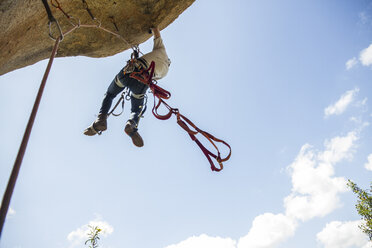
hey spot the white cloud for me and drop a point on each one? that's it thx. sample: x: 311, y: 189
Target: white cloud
x: 338, y: 234
x: 268, y: 230
x: 340, y: 106
x: 368, y: 165
x: 338, y: 148
x: 365, y: 56
x: 351, y: 63
x: 78, y: 237
x: 204, y: 241
x: 314, y: 188
x: 315, y: 193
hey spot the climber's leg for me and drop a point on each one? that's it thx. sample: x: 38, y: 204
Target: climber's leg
x: 138, y: 90
x: 100, y: 124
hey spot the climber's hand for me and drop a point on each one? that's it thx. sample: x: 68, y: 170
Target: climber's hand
x: 156, y: 32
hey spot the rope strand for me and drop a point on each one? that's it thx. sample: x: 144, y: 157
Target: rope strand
x: 145, y: 76
x: 99, y: 26
x: 88, y: 10
x: 22, y: 149
x: 52, y: 20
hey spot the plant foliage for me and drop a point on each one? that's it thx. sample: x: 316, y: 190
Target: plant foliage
x: 364, y: 207
x: 93, y: 236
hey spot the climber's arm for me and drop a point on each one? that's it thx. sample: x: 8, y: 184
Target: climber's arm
x: 156, y: 32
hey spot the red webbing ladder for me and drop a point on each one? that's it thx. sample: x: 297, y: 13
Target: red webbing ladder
x: 145, y: 76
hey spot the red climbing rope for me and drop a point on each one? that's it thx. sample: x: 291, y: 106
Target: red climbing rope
x: 57, y: 5
x: 22, y: 149
x: 145, y: 76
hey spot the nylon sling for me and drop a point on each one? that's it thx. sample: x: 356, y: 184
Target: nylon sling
x: 145, y: 76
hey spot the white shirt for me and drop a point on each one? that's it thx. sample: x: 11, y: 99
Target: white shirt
x: 160, y: 57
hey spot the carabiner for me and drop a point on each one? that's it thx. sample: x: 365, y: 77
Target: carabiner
x: 59, y: 30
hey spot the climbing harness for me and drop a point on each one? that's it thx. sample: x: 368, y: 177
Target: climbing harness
x: 145, y: 76
x: 124, y: 96
x: 133, y: 64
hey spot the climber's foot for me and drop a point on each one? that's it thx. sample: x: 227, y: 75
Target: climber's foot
x: 98, y: 126
x: 131, y: 130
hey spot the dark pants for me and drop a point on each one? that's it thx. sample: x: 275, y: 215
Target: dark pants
x: 137, y: 88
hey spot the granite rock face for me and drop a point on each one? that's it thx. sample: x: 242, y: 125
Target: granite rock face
x: 25, y: 40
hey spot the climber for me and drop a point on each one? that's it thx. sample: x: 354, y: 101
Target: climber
x: 137, y: 88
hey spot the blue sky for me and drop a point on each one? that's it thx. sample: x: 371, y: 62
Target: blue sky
x: 286, y: 83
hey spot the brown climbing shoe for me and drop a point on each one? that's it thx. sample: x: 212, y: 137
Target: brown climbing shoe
x: 98, y: 126
x: 131, y: 130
